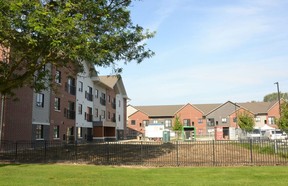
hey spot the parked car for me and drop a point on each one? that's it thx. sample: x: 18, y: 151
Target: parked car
x: 275, y: 135
x: 254, y: 135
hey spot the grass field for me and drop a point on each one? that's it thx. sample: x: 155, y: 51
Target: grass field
x: 56, y: 174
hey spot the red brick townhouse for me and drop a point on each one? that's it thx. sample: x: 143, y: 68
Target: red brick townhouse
x: 141, y: 116
x: 204, y: 117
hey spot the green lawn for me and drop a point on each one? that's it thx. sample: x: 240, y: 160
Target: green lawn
x: 55, y: 174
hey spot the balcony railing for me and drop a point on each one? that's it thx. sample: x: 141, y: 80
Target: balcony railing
x: 113, y: 119
x: 88, y: 117
x: 71, y: 89
x: 102, y: 101
x: 88, y: 96
x: 70, y: 114
x: 113, y: 105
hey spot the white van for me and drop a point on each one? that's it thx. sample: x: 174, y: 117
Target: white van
x: 275, y: 135
x: 255, y: 134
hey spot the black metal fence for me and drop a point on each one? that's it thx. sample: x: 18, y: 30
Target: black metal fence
x: 199, y: 153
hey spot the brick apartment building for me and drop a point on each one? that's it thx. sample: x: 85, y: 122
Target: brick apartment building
x: 203, y: 117
x: 51, y: 114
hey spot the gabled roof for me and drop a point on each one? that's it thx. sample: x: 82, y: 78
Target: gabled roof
x: 159, y: 110
x: 187, y: 105
x: 114, y: 82
x: 110, y: 81
x: 221, y: 105
x: 207, y: 108
x: 171, y: 110
x: 257, y: 107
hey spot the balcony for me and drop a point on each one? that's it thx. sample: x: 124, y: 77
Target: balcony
x: 113, y: 105
x: 70, y: 114
x: 102, y: 101
x: 113, y: 119
x: 71, y: 89
x: 88, y: 117
x: 88, y: 96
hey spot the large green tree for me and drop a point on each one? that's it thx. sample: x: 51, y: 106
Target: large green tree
x: 274, y: 96
x: 282, y: 122
x: 64, y: 33
x: 245, y: 120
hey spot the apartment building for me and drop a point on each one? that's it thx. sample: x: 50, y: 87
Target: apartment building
x: 203, y: 117
x: 75, y: 110
x: 110, y: 107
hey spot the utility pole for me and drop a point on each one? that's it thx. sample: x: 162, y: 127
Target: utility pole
x: 278, y: 97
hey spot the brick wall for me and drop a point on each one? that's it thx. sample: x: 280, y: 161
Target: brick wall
x: 195, y: 116
x: 18, y: 116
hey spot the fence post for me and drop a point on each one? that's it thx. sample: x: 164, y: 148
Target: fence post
x: 107, y: 151
x: 251, y: 151
x: 213, y: 153
x: 76, y: 151
x: 16, y: 153
x: 275, y: 146
x: 141, y: 155
x: 45, y: 149
x: 177, y: 149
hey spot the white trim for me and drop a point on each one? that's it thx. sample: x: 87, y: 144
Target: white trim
x: 39, y: 123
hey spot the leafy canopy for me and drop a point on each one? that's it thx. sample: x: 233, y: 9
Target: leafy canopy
x: 245, y: 121
x: 63, y: 33
x: 274, y: 96
x: 177, y: 124
x: 282, y: 122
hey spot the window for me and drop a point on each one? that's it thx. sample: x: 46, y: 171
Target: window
x: 103, y: 113
x: 57, y: 104
x: 96, y: 93
x: 200, y: 121
x: 224, y: 120
x: 119, y: 103
x: 168, y: 123
x: 39, y: 131
x: 103, y: 99
x: 88, y: 94
x: 96, y: 112
x: 109, y: 115
x: 80, y: 132
x: 70, y: 111
x: 79, y: 108
x: 39, y: 100
x: 58, y: 76
x: 133, y: 122
x: 271, y: 120
x: 88, y: 114
x: 258, y: 119
x: 80, y: 86
x: 186, y: 122
x: 114, y: 117
x: 210, y: 122
x: 146, y: 122
x: 119, y: 117
x: 56, y: 131
x: 70, y: 86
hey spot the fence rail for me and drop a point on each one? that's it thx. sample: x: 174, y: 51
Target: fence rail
x: 199, y: 153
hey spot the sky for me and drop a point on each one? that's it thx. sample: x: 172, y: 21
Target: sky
x: 209, y: 51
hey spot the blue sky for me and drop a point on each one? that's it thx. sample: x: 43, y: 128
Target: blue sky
x: 209, y: 51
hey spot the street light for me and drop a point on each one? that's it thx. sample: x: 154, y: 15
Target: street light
x: 278, y: 97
